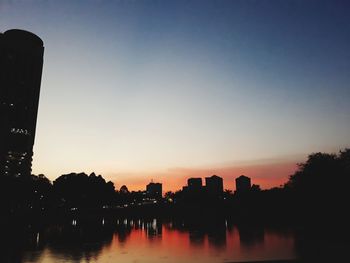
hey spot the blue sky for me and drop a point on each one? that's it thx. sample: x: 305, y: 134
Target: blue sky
x: 133, y: 89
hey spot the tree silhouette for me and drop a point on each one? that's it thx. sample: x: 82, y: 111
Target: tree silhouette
x: 316, y: 173
x: 169, y: 196
x: 24, y: 193
x: 83, y: 191
x: 321, y: 186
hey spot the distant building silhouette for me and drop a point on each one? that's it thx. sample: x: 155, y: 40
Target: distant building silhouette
x: 243, y: 184
x: 214, y: 185
x: 21, y: 61
x: 194, y: 184
x: 154, y: 190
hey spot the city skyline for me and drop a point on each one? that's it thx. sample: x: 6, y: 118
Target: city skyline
x: 166, y: 91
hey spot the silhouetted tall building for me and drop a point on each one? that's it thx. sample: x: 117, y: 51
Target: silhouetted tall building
x: 243, y: 184
x: 154, y: 190
x: 194, y: 184
x: 21, y: 62
x: 214, y: 185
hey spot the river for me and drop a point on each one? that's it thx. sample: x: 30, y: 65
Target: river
x: 148, y: 240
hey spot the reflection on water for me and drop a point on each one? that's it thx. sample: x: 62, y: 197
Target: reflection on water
x: 139, y: 240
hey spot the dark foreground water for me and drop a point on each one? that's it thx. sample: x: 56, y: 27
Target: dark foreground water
x: 138, y: 240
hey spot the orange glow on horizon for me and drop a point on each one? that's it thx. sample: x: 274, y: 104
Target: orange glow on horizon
x: 266, y: 175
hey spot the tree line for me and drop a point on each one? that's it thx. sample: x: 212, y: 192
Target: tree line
x: 318, y: 191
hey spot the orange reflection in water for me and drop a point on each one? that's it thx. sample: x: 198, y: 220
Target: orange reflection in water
x: 174, y: 245
x: 152, y: 241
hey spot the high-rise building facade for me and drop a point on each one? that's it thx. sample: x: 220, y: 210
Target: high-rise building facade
x: 21, y: 62
x: 214, y: 185
x: 243, y: 184
x: 194, y: 184
x: 154, y: 190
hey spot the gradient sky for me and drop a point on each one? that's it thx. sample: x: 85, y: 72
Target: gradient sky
x: 166, y: 90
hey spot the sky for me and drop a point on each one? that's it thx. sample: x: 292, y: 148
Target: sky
x: 167, y: 90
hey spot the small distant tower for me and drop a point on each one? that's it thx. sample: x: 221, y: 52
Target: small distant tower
x: 214, y: 185
x: 243, y: 184
x: 194, y: 184
x: 154, y: 190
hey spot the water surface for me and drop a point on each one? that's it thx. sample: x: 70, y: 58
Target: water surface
x: 152, y: 240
